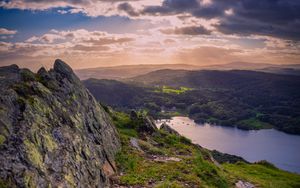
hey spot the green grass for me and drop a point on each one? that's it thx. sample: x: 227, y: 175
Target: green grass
x: 195, y: 168
x: 168, y: 184
x: 171, y: 90
x: 253, y: 123
x: 139, y: 169
x: 263, y: 175
x: 124, y: 124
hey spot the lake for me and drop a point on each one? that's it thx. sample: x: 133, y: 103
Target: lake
x: 279, y: 148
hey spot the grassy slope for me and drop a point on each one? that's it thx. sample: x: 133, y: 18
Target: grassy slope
x: 195, y: 168
x: 263, y: 175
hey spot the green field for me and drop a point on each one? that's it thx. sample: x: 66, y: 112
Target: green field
x: 171, y: 90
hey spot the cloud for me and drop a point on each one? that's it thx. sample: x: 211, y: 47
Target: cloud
x: 278, y: 18
x: 56, y: 43
x: 62, y: 11
x: 126, y: 7
x: 169, y: 41
x: 80, y: 36
x: 4, y: 31
x: 189, y: 30
x: 47, y: 38
x: 80, y: 47
x: 171, y: 7
x: 208, y: 55
x: 109, y: 40
x: 89, y: 7
x: 182, y: 31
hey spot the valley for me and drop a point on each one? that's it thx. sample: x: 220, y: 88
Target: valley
x: 244, y: 99
x: 55, y: 133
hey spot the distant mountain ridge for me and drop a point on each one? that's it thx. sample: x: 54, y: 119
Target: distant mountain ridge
x: 201, y: 78
x: 128, y: 71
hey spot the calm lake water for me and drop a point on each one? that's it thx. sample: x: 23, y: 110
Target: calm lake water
x: 281, y: 149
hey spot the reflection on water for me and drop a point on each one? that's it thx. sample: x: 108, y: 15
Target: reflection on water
x: 281, y: 149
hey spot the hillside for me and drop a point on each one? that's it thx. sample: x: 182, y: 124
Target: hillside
x: 212, y: 78
x: 251, y: 66
x: 160, y: 158
x: 245, y: 99
x: 127, y: 71
x: 53, y: 133
x: 114, y: 92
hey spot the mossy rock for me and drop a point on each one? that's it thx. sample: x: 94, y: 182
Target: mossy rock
x: 49, y: 143
x: 70, y: 179
x: 34, y: 155
x: 29, y: 179
x: 2, y: 139
x: 27, y: 75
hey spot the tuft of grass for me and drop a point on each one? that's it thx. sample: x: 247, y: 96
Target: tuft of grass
x: 124, y: 124
x: 150, y: 149
x: 168, y: 184
x: 209, y: 172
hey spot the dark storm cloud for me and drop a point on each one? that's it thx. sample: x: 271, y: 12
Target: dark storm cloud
x: 170, y: 7
x: 128, y: 9
x: 191, y: 30
x: 277, y: 18
x: 181, y: 5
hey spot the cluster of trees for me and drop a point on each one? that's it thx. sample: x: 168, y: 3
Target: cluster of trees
x: 245, y: 99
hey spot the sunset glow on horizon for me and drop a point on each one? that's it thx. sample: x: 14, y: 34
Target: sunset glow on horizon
x: 97, y: 33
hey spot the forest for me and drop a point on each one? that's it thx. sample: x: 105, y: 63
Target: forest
x: 245, y: 99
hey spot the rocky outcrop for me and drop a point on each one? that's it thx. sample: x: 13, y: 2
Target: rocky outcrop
x: 226, y: 158
x: 244, y: 184
x: 53, y: 133
x: 165, y: 127
x: 145, y: 124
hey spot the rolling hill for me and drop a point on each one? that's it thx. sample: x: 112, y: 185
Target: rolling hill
x: 128, y: 71
x: 245, y: 99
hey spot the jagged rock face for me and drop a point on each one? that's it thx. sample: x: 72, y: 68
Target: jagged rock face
x: 53, y: 133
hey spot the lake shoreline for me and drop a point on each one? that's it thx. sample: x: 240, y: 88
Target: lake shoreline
x: 234, y: 131
x: 237, y: 127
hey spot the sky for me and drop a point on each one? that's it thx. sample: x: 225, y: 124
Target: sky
x: 95, y: 33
